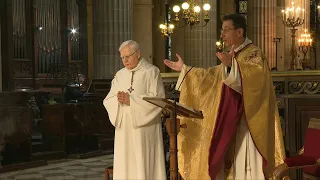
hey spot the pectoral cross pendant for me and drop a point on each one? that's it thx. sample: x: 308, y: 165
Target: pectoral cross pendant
x: 131, y: 89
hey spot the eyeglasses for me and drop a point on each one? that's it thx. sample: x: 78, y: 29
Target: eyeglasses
x: 127, y: 57
x: 226, y: 30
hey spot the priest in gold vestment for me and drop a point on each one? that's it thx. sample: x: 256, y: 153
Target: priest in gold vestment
x: 240, y: 136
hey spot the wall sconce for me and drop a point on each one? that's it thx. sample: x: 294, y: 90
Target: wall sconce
x: 166, y: 29
x: 220, y: 46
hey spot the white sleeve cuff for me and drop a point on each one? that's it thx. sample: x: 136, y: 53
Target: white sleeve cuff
x: 181, y: 75
x: 233, y: 80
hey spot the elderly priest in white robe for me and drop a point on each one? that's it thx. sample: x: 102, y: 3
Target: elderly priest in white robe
x: 138, y: 147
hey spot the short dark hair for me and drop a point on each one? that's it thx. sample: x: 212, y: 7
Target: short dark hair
x: 238, y: 21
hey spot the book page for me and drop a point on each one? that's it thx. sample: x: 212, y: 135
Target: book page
x: 186, y: 107
x: 156, y: 101
x: 169, y: 103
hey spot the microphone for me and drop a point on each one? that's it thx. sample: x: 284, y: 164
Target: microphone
x: 183, y: 79
x: 228, y: 69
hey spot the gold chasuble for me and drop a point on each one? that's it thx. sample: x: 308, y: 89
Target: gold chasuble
x: 207, y: 144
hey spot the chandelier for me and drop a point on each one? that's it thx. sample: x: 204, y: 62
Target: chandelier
x: 190, y: 14
x: 304, y: 45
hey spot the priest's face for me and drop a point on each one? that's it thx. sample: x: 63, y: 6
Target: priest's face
x: 129, y: 57
x: 229, y: 34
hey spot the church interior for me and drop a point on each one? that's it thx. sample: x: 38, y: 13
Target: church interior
x: 58, y: 58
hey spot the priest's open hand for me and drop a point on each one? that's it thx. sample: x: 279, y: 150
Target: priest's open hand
x: 176, y: 66
x: 123, y: 97
x: 226, y: 58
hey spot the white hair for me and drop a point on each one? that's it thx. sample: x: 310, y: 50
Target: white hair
x: 134, y: 46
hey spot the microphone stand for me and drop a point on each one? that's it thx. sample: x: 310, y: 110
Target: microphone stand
x: 276, y: 41
x: 175, y: 131
x: 175, y: 125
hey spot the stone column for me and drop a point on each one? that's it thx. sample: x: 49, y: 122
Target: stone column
x: 0, y: 69
x: 142, y: 27
x: 317, y: 42
x: 262, y: 27
x: 200, y: 42
x: 280, y: 34
x: 112, y: 24
x: 227, y: 7
x: 89, y: 26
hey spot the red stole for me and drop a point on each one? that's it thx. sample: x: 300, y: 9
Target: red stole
x: 229, y: 113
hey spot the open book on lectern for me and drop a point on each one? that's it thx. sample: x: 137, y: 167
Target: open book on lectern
x: 181, y: 109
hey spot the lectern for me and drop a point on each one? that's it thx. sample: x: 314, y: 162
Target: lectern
x: 173, y: 126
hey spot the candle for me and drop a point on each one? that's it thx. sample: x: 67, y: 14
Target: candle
x: 303, y: 14
x: 292, y: 10
x: 298, y: 12
x: 305, y: 39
